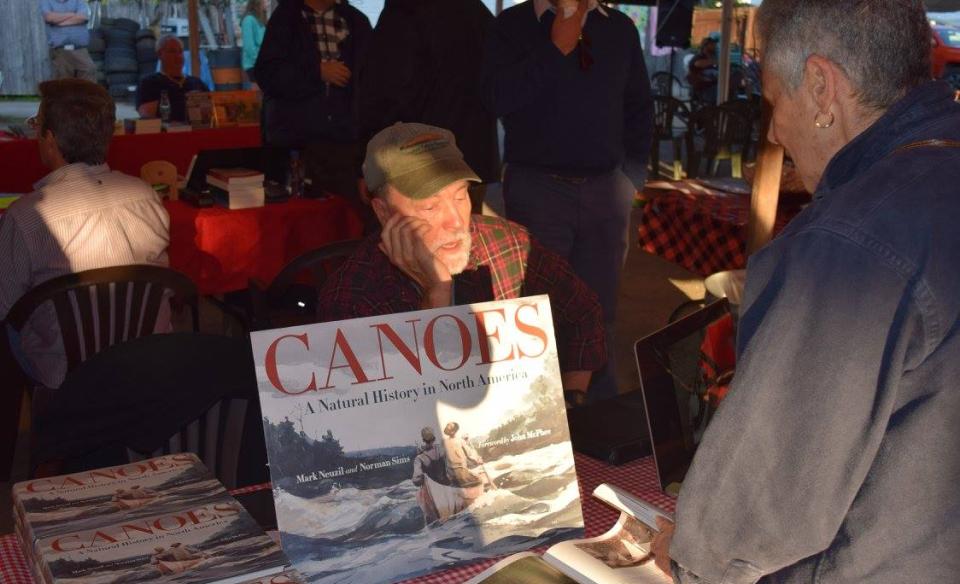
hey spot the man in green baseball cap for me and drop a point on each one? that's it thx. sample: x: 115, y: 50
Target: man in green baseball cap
x: 431, y: 252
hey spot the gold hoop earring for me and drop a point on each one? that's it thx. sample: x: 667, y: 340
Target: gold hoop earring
x: 823, y: 125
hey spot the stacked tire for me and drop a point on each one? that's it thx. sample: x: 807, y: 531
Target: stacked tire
x: 120, y: 57
x: 96, y: 47
x: 146, y: 53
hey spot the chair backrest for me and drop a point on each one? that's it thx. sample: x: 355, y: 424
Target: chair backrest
x: 160, y: 394
x: 289, y: 296
x: 665, y: 111
x: 723, y: 128
x: 665, y: 84
x: 161, y: 172
x: 106, y: 306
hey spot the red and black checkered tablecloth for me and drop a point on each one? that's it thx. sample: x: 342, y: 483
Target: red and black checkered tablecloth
x: 702, y: 229
x: 638, y: 477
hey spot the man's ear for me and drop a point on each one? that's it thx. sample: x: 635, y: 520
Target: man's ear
x: 380, y: 209
x: 821, y: 80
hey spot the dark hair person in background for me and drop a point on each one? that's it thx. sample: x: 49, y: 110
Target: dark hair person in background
x: 80, y: 217
x: 422, y: 65
x: 306, y: 69
x: 834, y: 456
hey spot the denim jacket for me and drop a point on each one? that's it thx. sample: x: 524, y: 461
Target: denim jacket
x: 834, y: 458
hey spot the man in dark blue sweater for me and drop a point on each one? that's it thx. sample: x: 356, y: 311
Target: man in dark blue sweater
x: 572, y: 89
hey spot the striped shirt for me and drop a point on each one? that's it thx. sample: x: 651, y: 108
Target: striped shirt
x: 79, y: 217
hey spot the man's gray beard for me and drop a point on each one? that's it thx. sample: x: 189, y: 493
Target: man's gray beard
x: 456, y: 264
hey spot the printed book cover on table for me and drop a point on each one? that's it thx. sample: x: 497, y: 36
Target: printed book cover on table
x: 89, y: 499
x: 217, y: 542
x: 407, y: 443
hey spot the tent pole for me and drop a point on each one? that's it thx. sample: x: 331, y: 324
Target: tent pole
x: 193, y: 17
x: 726, y: 31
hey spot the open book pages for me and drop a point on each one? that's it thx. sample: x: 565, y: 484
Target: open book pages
x: 285, y: 577
x: 619, y: 556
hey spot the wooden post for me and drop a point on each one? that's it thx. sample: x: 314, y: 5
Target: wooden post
x: 726, y: 31
x: 193, y: 16
x: 766, y: 190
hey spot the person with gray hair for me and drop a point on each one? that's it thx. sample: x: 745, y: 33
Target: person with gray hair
x: 833, y: 458
x: 170, y: 80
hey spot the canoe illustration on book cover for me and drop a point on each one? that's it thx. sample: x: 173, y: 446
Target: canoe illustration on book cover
x: 93, y: 498
x: 405, y: 443
x: 214, y: 542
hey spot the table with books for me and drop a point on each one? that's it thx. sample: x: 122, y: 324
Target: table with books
x: 127, y: 153
x: 700, y: 226
x: 637, y: 477
x: 221, y: 249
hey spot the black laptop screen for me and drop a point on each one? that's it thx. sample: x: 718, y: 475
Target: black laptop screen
x: 272, y: 162
x: 685, y: 370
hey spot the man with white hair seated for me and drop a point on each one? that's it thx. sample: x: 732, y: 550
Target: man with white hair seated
x: 432, y: 252
x: 171, y: 80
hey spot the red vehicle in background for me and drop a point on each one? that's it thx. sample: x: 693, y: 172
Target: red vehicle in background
x: 945, y: 54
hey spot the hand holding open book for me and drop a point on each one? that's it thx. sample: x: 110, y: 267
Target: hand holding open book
x: 622, y: 555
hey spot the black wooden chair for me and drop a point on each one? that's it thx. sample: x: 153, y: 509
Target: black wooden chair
x: 99, y: 308
x: 160, y: 394
x: 291, y: 298
x: 725, y: 134
x: 666, y: 112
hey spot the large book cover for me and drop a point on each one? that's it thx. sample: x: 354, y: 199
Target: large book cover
x: 86, y: 500
x: 216, y: 542
x: 407, y: 443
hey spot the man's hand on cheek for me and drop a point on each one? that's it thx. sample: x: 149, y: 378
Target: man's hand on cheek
x: 403, y: 241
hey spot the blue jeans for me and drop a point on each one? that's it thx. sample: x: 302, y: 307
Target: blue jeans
x: 585, y: 220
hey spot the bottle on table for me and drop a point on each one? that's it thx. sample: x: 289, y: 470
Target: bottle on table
x: 164, y: 107
x: 295, y: 174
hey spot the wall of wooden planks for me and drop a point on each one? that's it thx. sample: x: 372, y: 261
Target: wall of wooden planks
x: 24, y: 60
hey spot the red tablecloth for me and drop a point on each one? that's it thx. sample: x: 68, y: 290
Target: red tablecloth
x: 637, y: 477
x: 221, y: 249
x: 704, y: 230
x: 20, y: 165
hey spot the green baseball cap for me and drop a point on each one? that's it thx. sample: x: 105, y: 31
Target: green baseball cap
x: 416, y: 159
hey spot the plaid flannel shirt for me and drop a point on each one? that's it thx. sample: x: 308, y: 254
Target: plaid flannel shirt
x: 328, y: 30
x: 504, y: 263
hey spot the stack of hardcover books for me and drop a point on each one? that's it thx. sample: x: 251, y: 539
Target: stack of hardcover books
x: 164, y: 519
x: 236, y: 188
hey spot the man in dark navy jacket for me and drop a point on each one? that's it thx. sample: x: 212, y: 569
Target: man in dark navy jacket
x: 305, y: 68
x: 423, y: 65
x: 572, y: 89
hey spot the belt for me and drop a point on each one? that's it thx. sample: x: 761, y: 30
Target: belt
x: 570, y: 180
x: 68, y: 48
